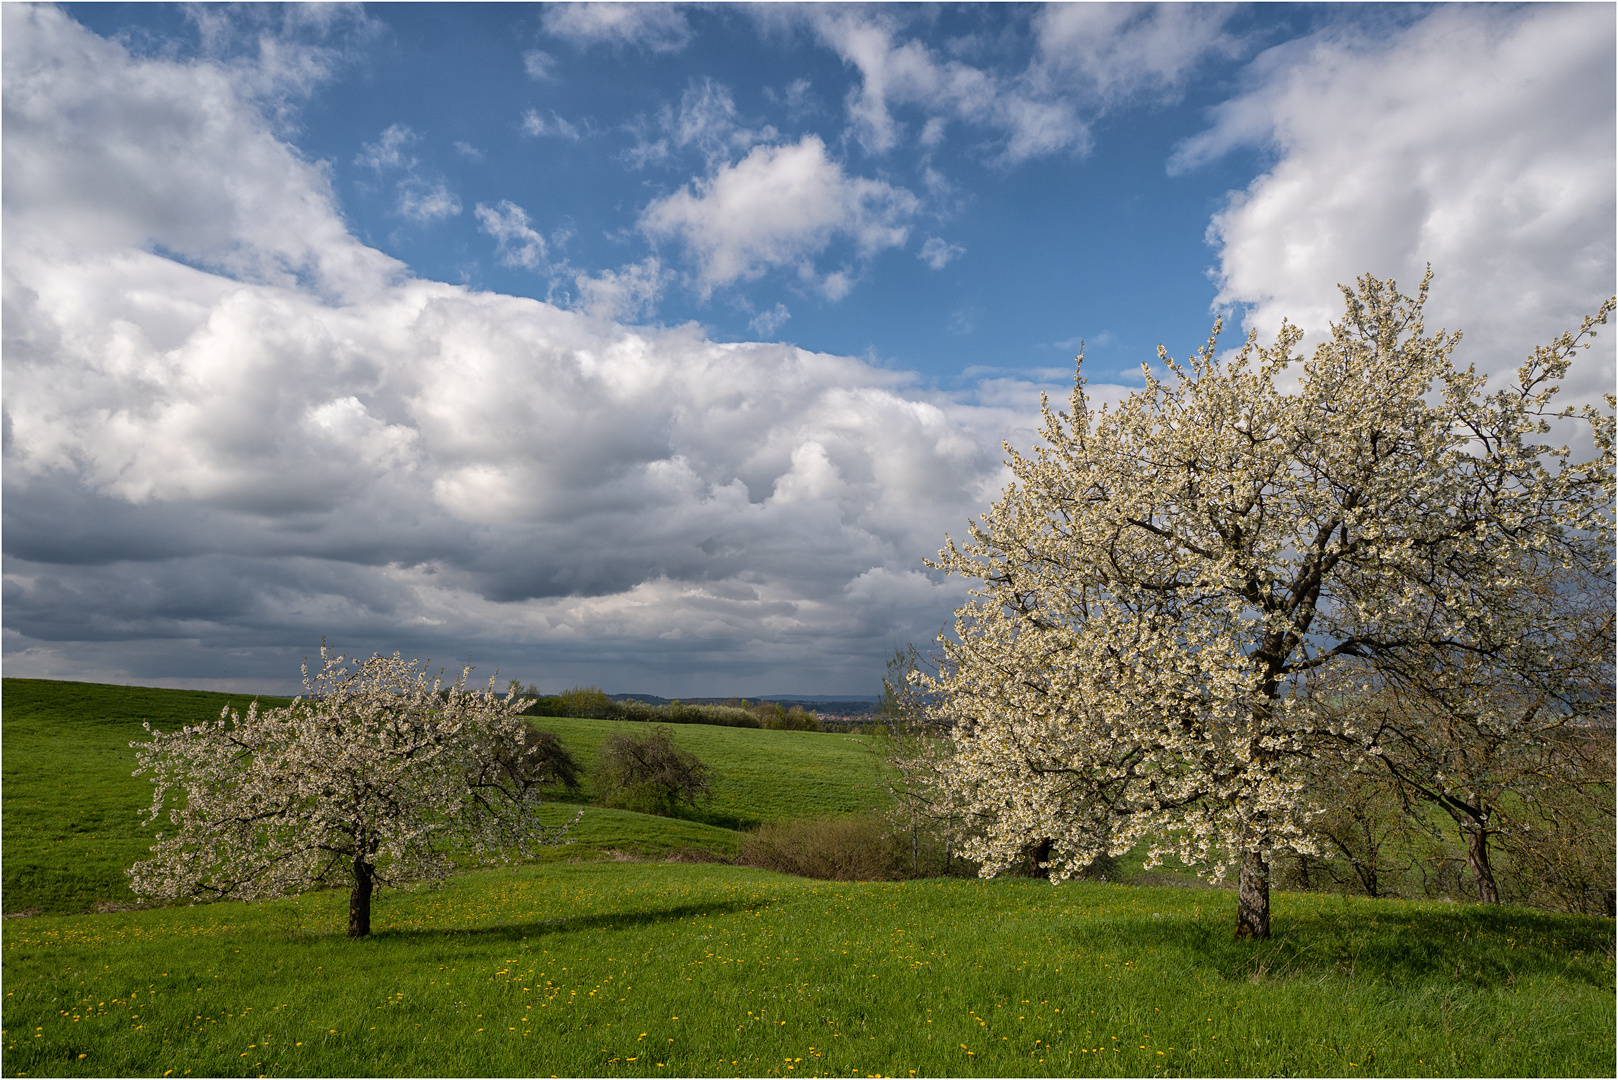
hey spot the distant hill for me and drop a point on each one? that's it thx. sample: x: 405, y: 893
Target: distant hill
x: 842, y: 705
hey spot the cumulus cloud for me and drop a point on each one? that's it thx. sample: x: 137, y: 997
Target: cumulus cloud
x: 1479, y: 140
x: 779, y: 205
x: 653, y: 27
x: 210, y: 461
x: 81, y: 117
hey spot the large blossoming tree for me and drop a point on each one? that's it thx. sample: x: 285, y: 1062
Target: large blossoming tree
x: 1162, y: 584
x: 377, y: 776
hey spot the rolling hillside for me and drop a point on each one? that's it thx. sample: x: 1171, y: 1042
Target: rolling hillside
x: 71, y: 809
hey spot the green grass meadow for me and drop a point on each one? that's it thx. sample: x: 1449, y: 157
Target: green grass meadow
x: 71, y: 807
x: 760, y: 776
x: 586, y: 965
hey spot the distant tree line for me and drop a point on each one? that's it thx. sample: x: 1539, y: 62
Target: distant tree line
x: 590, y: 702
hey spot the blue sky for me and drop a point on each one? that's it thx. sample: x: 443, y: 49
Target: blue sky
x: 1107, y: 245
x: 655, y: 346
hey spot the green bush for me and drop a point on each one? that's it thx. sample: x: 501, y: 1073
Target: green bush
x: 650, y: 774
x: 853, y: 847
x: 544, y: 753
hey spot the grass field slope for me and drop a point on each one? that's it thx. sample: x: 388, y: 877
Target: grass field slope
x: 760, y: 776
x: 613, y: 969
x: 653, y: 968
x: 71, y: 809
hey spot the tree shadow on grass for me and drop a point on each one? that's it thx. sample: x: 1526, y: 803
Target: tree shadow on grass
x: 700, y: 814
x: 719, y: 819
x: 1482, y: 947
x: 541, y: 928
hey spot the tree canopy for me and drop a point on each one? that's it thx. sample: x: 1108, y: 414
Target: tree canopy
x: 378, y: 775
x: 1164, y: 584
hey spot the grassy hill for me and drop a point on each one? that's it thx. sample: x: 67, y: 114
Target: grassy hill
x: 608, y: 968
x: 647, y: 969
x: 71, y: 808
x: 761, y: 776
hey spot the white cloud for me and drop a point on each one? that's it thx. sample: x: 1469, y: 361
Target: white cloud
x: 1088, y: 58
x: 768, y: 322
x: 1033, y: 120
x: 467, y: 150
x: 780, y: 205
x: 938, y: 253
x: 536, y: 125
x: 206, y: 467
x: 654, y: 27
x: 538, y: 64
x: 80, y: 116
x: 388, y: 152
x: 516, y: 241
x: 707, y: 116
x: 276, y: 54
x: 1118, y: 52
x: 1480, y: 140
x: 707, y: 122
x: 834, y: 286
x: 629, y: 292
x: 421, y: 201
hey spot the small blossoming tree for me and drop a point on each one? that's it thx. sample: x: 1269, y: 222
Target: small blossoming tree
x: 375, y: 777
x: 1157, y: 592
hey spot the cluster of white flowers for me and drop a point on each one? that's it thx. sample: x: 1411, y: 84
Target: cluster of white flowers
x: 379, y: 774
x: 1157, y: 588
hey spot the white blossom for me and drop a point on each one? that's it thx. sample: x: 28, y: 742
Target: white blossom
x: 1161, y: 582
x: 379, y: 775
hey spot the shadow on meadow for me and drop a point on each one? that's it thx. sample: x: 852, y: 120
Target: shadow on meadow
x: 618, y: 920
x: 1475, y: 946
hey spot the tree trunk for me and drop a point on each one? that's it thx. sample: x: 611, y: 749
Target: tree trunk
x: 1040, y: 852
x: 359, y: 900
x: 1253, y: 898
x: 1477, y: 856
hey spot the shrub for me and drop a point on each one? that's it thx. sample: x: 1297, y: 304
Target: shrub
x: 847, y: 848
x: 545, y: 755
x: 650, y: 774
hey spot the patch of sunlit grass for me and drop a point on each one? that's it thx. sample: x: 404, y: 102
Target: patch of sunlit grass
x: 623, y: 969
